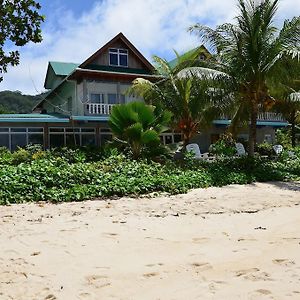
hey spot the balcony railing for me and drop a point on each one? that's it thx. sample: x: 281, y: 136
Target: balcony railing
x: 270, y: 116
x: 98, y: 108
x: 266, y: 116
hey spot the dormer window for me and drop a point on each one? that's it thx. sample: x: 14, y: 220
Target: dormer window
x: 118, y: 57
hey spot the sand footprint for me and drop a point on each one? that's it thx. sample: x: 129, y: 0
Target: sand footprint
x: 98, y: 281
x: 201, y: 266
x: 200, y: 240
x: 149, y: 275
x: 283, y: 262
x: 246, y: 271
x: 264, y: 292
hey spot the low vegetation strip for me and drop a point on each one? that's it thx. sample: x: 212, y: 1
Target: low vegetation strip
x: 74, y: 177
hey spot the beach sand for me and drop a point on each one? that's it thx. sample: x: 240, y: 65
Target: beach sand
x: 234, y: 242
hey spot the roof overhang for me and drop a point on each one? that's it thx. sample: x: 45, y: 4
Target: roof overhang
x: 258, y: 123
x: 33, y: 118
x: 79, y: 74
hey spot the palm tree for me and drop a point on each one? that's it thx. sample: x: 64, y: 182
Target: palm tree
x: 289, y: 106
x: 183, y: 93
x: 138, y: 126
x: 251, y: 52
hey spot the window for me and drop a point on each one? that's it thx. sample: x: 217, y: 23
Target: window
x: 69, y: 105
x: 72, y: 136
x: 118, y: 57
x: 112, y: 98
x: 97, y: 98
x: 202, y: 57
x: 20, y: 136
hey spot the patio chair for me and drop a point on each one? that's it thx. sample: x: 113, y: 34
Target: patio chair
x: 194, y: 148
x: 240, y: 149
x: 278, y: 149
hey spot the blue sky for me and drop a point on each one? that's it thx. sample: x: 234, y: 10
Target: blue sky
x: 74, y: 29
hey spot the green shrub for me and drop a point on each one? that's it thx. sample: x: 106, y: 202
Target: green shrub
x: 220, y: 148
x: 21, y: 156
x: 67, y: 177
x: 265, y: 149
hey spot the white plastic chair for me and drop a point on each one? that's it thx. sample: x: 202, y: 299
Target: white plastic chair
x: 240, y: 149
x: 194, y: 148
x: 278, y: 149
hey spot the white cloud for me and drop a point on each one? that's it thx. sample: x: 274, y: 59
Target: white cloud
x: 153, y: 26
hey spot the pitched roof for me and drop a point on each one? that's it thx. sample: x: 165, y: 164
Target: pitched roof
x: 191, y: 54
x: 62, y: 68
x: 130, y: 46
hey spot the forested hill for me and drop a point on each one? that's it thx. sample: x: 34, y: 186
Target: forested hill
x: 16, y: 102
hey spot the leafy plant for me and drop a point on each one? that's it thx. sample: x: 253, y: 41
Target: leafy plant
x: 265, y: 149
x: 137, y: 126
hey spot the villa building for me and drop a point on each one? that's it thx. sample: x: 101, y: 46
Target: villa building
x: 76, y: 109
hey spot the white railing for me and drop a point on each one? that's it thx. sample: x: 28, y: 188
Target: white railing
x: 98, y: 108
x: 270, y: 116
x: 266, y: 116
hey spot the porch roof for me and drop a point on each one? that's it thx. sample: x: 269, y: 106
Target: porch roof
x: 258, y: 123
x: 33, y: 118
x: 90, y: 118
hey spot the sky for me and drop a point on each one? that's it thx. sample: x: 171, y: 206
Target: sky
x: 75, y: 29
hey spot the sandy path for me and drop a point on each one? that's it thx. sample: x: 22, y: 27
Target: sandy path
x: 234, y: 242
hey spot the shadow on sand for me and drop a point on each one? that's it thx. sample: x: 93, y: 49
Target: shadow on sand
x: 288, y: 185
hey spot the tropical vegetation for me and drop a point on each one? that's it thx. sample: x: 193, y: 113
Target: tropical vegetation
x: 253, y: 53
x: 78, y: 174
x: 186, y: 97
x: 137, y: 126
x: 20, y: 23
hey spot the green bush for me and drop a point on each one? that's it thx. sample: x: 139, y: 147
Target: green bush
x: 220, y: 148
x: 265, y: 149
x: 67, y: 175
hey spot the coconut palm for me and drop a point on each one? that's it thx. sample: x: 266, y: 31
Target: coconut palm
x: 289, y: 107
x: 252, y: 52
x: 138, y: 126
x: 182, y: 92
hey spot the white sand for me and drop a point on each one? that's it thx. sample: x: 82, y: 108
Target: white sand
x: 234, y: 242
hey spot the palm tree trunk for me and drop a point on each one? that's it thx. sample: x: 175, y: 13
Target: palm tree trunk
x: 293, y: 134
x: 252, y: 129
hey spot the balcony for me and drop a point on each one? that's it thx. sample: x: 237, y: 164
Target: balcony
x: 92, y: 109
x: 270, y: 116
x: 266, y: 116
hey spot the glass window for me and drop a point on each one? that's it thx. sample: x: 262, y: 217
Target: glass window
x: 35, y: 139
x: 118, y: 57
x: 97, y: 98
x: 69, y: 104
x: 72, y: 130
x: 112, y: 98
x: 2, y: 129
x: 105, y: 130
x: 18, y: 140
x: 18, y: 129
x: 87, y: 129
x: 4, y: 140
x: 35, y: 130
x: 57, y: 140
x: 88, y: 139
x: 72, y: 140
x: 113, y: 59
x: 123, y: 60
x: 56, y: 129
x: 122, y: 98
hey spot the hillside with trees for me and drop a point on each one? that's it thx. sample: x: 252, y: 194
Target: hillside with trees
x: 16, y: 102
